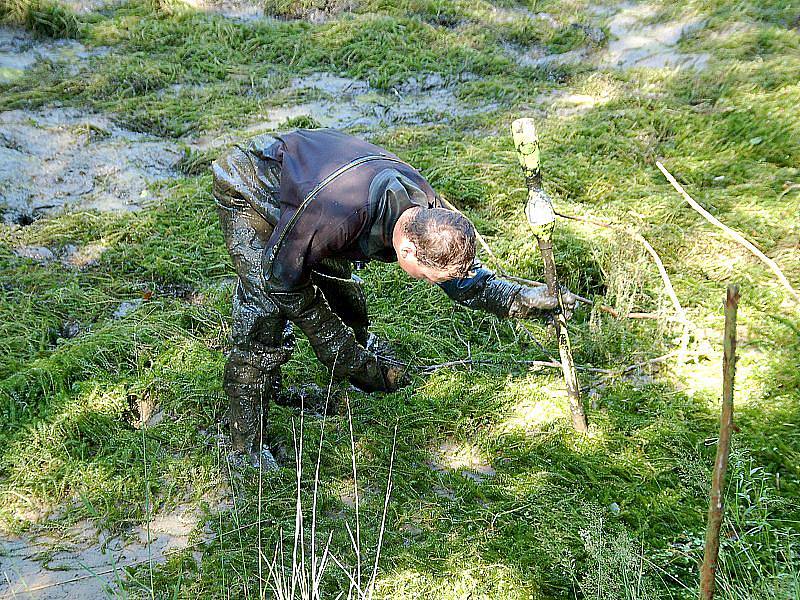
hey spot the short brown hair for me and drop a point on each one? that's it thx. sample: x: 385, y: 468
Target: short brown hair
x: 445, y: 239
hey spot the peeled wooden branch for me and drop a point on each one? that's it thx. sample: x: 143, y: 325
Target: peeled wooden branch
x: 715, y: 507
x: 734, y: 234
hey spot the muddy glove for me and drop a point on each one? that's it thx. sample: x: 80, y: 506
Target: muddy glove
x: 483, y: 290
x: 334, y: 343
x: 533, y: 301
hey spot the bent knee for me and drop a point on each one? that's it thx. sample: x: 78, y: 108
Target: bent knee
x: 230, y: 177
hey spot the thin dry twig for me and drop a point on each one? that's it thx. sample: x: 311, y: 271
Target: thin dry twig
x: 732, y: 233
x: 679, y: 312
x: 148, y: 513
x: 606, y: 374
x: 357, y: 543
x: 387, y: 495
x: 473, y: 361
x: 632, y: 315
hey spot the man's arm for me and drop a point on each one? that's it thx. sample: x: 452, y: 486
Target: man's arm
x: 483, y: 290
x: 288, y: 285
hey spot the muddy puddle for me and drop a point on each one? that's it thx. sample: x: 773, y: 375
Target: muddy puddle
x: 345, y: 103
x: 61, y: 157
x: 634, y: 42
x: 84, y: 563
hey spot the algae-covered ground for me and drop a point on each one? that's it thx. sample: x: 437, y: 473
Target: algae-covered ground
x: 115, y: 478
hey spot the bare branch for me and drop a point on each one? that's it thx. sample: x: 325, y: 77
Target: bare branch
x: 715, y: 507
x: 734, y: 234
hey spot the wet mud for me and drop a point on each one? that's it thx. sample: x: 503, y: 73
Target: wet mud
x: 634, y: 42
x: 345, y: 103
x: 51, y: 159
x: 19, y: 51
x: 85, y: 563
x: 65, y: 158
x: 236, y: 10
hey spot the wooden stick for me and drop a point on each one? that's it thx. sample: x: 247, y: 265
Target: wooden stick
x: 734, y: 234
x: 715, y: 507
x: 541, y: 218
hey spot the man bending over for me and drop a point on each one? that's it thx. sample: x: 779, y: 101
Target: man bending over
x: 296, y: 212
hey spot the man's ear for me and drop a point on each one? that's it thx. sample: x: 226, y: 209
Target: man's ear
x: 407, y: 248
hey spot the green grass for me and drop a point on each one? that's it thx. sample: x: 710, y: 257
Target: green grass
x: 619, y: 514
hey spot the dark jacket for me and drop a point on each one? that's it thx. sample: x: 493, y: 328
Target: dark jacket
x: 352, y: 217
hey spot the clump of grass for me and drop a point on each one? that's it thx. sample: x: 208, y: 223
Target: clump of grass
x: 194, y: 162
x: 48, y: 18
x: 300, y: 574
x: 759, y: 554
x: 615, y: 566
x: 302, y: 122
x: 304, y: 9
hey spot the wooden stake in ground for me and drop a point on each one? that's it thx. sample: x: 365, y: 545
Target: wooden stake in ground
x: 715, y: 509
x: 542, y: 219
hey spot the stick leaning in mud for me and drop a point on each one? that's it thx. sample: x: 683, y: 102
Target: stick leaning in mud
x: 542, y: 219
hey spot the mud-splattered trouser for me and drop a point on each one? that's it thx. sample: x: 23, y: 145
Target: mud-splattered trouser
x: 246, y: 186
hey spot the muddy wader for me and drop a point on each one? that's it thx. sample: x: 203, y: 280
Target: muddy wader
x: 296, y: 211
x: 331, y: 311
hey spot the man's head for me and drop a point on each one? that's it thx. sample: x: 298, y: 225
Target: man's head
x: 434, y: 244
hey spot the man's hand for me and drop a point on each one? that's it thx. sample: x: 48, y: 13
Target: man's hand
x: 530, y: 301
